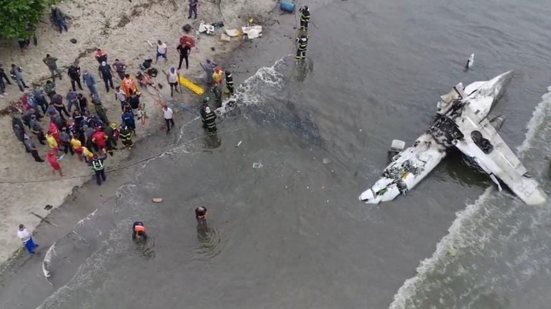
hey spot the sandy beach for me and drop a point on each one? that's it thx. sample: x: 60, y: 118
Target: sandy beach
x: 125, y: 30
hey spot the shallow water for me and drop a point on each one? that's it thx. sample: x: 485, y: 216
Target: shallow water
x: 292, y: 233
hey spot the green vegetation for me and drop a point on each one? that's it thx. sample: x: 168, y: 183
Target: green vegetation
x: 19, y: 17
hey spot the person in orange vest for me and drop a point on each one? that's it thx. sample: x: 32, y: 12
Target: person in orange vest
x: 128, y: 85
x: 138, y: 230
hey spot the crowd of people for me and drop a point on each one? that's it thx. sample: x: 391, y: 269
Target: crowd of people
x: 80, y: 127
x: 77, y: 124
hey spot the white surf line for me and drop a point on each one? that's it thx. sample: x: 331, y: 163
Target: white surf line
x: 47, y: 260
x: 538, y: 117
x: 453, y: 241
x: 243, y: 92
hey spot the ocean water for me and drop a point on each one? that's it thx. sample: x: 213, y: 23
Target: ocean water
x: 291, y: 232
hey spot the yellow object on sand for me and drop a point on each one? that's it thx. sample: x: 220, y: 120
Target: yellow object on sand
x: 198, y: 90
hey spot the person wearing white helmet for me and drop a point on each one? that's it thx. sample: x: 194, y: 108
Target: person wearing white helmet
x: 106, y: 73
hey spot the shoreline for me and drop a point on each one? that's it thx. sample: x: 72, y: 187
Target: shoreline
x: 118, y: 167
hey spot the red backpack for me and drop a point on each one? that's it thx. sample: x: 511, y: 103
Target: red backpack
x: 187, y: 41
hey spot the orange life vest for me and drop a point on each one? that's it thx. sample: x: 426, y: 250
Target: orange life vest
x: 139, y: 229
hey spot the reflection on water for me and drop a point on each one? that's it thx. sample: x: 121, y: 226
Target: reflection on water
x: 211, y: 140
x: 209, y: 242
x: 144, y: 247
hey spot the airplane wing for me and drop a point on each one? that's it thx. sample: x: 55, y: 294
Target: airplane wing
x: 483, y: 145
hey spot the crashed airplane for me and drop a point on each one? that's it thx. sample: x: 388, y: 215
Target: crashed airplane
x: 462, y: 123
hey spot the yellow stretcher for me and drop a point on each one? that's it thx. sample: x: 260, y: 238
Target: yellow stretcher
x: 198, y: 90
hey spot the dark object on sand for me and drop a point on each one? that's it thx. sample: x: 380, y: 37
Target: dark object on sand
x: 74, y: 41
x: 152, y: 72
x: 146, y: 64
x: 212, y: 48
x: 186, y: 28
x: 48, y: 207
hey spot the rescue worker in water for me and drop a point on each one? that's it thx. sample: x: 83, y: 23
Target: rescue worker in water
x: 138, y: 231
x: 201, y: 215
x: 302, y: 44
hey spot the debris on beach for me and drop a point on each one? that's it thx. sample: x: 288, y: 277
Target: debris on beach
x: 157, y: 200
x: 257, y: 165
x: 224, y: 37
x: 210, y: 29
x: 232, y: 32
x: 252, y: 32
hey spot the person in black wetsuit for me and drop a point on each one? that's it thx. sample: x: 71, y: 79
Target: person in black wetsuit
x: 201, y: 214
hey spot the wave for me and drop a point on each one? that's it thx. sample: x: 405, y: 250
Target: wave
x: 475, y: 226
x: 257, y: 87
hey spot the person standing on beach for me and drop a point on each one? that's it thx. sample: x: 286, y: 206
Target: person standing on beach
x: 183, y: 52
x: 120, y: 68
x: 209, y: 69
x: 2, y: 87
x: 37, y: 130
x: 121, y: 97
x: 173, y: 77
x: 17, y: 75
x: 184, y: 47
x: 90, y: 82
x: 168, y: 115
x: 59, y: 19
x: 57, y: 102
x: 126, y: 136
x: 128, y: 86
x: 3, y: 75
x: 302, y: 44
x: 99, y: 138
x: 51, y: 63
x: 193, y: 8
x: 112, y: 134
x: 161, y: 51
x: 101, y: 111
x: 26, y: 238
x: 217, y: 80
x: 49, y: 88
x: 229, y: 82
x: 65, y: 141
x: 106, y: 73
x: 31, y: 147
x: 52, y: 160
x: 101, y: 56
x: 82, y: 104
x: 74, y: 75
x: 128, y: 120
x: 304, y: 18
x: 99, y: 168
x: 77, y: 147
x: 18, y: 129
x: 72, y: 99
x: 52, y: 143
